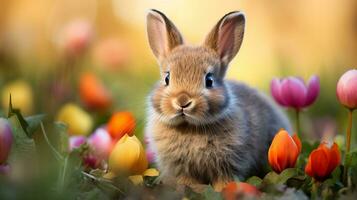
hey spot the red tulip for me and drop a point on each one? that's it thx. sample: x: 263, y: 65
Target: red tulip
x: 284, y: 151
x: 6, y: 139
x: 121, y: 123
x: 347, y: 89
x: 292, y: 91
x: 234, y: 190
x: 93, y: 93
x: 323, y: 160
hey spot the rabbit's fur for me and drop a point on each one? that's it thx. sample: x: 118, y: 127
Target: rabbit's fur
x: 201, y: 134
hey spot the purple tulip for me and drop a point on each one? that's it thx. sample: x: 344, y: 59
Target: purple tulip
x: 5, y: 140
x: 292, y: 91
x: 76, y: 141
x: 101, y: 142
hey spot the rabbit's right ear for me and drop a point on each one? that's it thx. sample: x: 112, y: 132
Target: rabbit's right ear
x: 162, y: 33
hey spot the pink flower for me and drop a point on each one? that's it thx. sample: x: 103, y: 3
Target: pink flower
x: 101, y: 142
x: 150, y: 154
x: 292, y: 91
x: 6, y: 139
x: 347, y: 89
x: 76, y: 141
x: 76, y: 36
x: 4, y: 169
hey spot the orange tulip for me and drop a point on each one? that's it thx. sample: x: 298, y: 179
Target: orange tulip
x: 323, y: 160
x: 234, y: 190
x: 284, y: 151
x: 93, y: 93
x: 121, y: 123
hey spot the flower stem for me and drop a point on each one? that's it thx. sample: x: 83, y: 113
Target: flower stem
x: 348, y: 146
x: 297, y: 122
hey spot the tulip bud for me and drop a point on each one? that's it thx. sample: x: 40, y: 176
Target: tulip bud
x: 121, y: 123
x: 93, y: 93
x: 234, y: 190
x: 101, y: 143
x: 21, y: 96
x: 111, y: 53
x: 128, y: 156
x: 79, y: 122
x: 76, y: 141
x: 292, y: 91
x: 323, y: 160
x: 5, y: 140
x: 347, y: 89
x: 76, y: 37
x: 284, y: 151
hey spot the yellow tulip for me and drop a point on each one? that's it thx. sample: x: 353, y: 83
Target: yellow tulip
x: 79, y: 121
x: 128, y: 156
x: 21, y: 96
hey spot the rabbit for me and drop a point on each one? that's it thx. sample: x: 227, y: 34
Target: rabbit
x: 205, y: 129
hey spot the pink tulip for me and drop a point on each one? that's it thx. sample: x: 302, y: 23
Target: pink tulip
x: 292, y: 91
x: 101, y: 142
x: 6, y: 139
x: 77, y: 36
x: 76, y: 141
x: 347, y: 89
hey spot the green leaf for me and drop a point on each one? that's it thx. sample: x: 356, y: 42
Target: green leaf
x: 274, y: 178
x: 254, y: 180
x: 210, y: 194
x: 34, y: 123
x: 61, y: 129
x: 24, y: 146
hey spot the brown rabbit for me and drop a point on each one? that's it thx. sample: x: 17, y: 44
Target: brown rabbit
x: 204, y: 129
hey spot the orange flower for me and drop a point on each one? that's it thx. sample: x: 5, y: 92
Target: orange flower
x: 323, y: 160
x: 121, y: 123
x: 234, y: 190
x: 93, y: 93
x: 284, y: 151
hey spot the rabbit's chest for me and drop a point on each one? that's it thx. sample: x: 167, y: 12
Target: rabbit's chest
x: 200, y: 156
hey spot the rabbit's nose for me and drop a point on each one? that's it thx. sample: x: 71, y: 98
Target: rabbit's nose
x: 183, y: 101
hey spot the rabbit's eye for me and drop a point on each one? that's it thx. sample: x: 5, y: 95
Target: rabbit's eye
x: 209, y: 80
x: 167, y: 78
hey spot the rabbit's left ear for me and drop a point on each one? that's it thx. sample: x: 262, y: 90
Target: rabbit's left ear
x: 227, y: 36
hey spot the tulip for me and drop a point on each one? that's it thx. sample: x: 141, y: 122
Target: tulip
x: 121, y: 123
x: 294, y: 93
x: 93, y: 93
x: 234, y: 190
x: 347, y: 95
x: 21, y: 96
x: 76, y: 37
x: 323, y: 160
x: 79, y: 121
x: 6, y: 139
x: 284, y: 151
x: 111, y: 53
x: 128, y: 156
x: 347, y: 89
x: 76, y: 141
x: 101, y: 143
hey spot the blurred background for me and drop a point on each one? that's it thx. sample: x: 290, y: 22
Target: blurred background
x: 47, y: 45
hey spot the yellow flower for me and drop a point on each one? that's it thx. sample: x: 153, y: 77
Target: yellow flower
x: 128, y: 156
x: 79, y: 121
x: 21, y: 96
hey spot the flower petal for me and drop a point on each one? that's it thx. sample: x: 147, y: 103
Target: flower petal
x: 275, y: 89
x: 293, y: 92
x: 319, y: 163
x: 313, y: 90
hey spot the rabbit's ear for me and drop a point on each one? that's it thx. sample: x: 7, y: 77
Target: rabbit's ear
x: 226, y: 37
x: 162, y: 33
